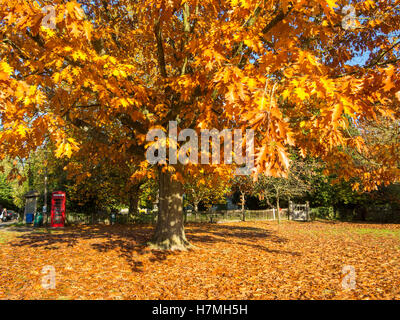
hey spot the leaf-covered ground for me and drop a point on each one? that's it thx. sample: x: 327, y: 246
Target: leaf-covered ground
x: 241, y: 260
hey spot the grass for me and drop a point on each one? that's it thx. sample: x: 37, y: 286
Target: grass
x: 6, y: 236
x: 351, y: 230
x: 12, y: 231
x: 15, y: 224
x: 378, y: 232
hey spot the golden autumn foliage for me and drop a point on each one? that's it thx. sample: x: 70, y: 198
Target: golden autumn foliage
x: 206, y: 187
x: 104, y: 73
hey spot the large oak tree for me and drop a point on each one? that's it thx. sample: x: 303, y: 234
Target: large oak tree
x: 109, y: 71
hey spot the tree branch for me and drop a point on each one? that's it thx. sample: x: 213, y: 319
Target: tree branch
x: 160, y: 48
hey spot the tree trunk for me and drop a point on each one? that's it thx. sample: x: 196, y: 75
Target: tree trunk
x: 170, y: 233
x: 279, y: 209
x: 363, y: 213
x: 133, y: 205
x: 243, y: 203
x: 268, y: 202
x: 134, y: 200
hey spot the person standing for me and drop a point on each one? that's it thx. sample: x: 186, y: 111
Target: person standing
x: 3, y: 215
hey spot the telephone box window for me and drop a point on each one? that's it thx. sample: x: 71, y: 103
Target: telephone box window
x: 58, y: 209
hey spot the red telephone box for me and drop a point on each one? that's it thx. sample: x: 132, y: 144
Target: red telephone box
x: 57, y: 209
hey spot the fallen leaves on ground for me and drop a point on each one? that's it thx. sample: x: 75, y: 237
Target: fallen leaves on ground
x: 242, y: 260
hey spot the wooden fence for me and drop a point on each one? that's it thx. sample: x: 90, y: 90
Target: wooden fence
x: 235, y: 215
x: 104, y: 217
x: 201, y: 216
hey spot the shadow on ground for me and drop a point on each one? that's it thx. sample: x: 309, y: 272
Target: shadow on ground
x: 131, y: 240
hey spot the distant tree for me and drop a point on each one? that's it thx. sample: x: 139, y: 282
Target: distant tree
x: 149, y: 193
x: 6, y: 199
x: 296, y: 184
x: 245, y: 186
x: 205, y: 187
